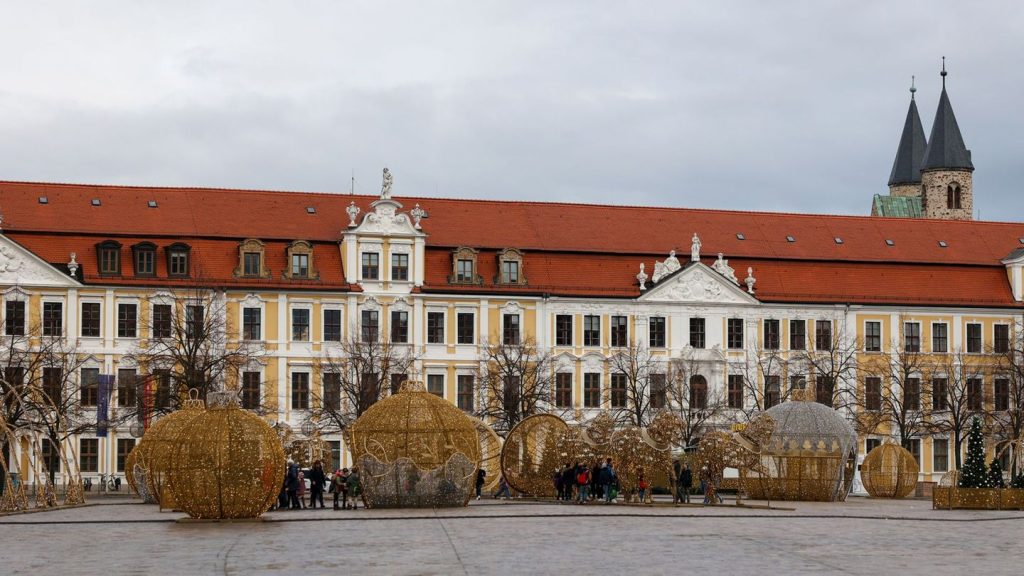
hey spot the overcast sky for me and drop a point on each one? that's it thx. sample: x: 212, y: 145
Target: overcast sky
x: 793, y: 106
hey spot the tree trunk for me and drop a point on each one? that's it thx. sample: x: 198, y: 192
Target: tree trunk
x: 957, y: 441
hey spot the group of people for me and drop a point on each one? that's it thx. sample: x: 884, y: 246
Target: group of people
x: 582, y: 483
x: 344, y: 483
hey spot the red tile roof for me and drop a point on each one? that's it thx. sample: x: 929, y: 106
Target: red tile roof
x: 570, y: 248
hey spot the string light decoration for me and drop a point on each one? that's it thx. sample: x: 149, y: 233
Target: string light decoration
x: 14, y: 497
x: 889, y: 471
x: 490, y: 454
x: 225, y: 463
x: 415, y: 449
x: 741, y: 449
x: 532, y: 453
x: 157, y: 446
x: 810, y: 455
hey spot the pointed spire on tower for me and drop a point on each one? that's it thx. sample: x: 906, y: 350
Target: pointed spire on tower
x: 946, y: 149
x: 906, y: 168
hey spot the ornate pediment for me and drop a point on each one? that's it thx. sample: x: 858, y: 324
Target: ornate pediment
x: 21, y: 267
x: 697, y: 283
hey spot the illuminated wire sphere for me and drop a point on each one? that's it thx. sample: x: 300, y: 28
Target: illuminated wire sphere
x: 889, y: 471
x: 810, y: 455
x: 226, y: 462
x: 532, y: 453
x: 415, y: 449
x: 156, y: 447
x: 490, y: 454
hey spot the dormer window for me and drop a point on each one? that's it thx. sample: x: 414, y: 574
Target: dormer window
x: 464, y: 267
x: 144, y: 255
x: 177, y: 259
x: 108, y: 257
x: 300, y: 261
x: 510, y: 267
x: 251, y: 260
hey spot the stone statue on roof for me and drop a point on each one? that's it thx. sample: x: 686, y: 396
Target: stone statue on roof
x: 385, y: 188
x: 695, y: 249
x: 722, y: 267
x: 662, y: 269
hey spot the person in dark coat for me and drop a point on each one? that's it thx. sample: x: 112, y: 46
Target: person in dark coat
x: 317, y: 479
x: 292, y: 485
x: 568, y: 480
x: 481, y: 476
x: 605, y: 481
x: 595, y: 481
x: 685, y: 484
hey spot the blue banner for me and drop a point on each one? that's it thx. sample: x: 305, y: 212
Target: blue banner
x: 105, y: 387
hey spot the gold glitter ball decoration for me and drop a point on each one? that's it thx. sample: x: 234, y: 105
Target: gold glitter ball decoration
x: 532, y: 453
x: 490, y: 454
x: 226, y: 462
x: 415, y: 449
x: 889, y: 471
x: 156, y: 448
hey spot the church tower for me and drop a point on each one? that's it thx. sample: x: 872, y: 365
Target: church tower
x: 946, y: 171
x: 905, y: 178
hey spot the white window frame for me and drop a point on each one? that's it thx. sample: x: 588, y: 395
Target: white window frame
x: 920, y: 336
x: 476, y: 323
x: 881, y: 339
x: 439, y: 371
x: 340, y: 308
x: 103, y: 316
x: 117, y: 317
x: 931, y: 339
x: 427, y: 310
x: 292, y: 307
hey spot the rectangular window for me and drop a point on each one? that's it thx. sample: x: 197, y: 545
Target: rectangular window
x: 940, y: 391
x: 251, y: 263
x: 620, y: 331
x: 912, y: 394
x: 435, y: 384
x: 127, y: 320
x: 124, y: 448
x: 91, y: 319
x: 464, y: 271
x: 371, y: 265
x: 464, y: 382
x: 335, y: 447
x: 659, y: 391
x: 51, y: 456
x: 563, y: 330
x: 975, y: 395
x: 591, y: 330
x: 940, y: 337
x: 772, y: 391
x: 14, y: 318
x: 251, y: 390
x: 563, y: 390
x: 735, y: 391
x: 771, y: 334
x: 1001, y: 394
x: 396, y: 382
x: 823, y: 335
x: 89, y: 455
x: 656, y: 332
x: 618, y: 391
x: 194, y: 322
x: 161, y: 321
x: 399, y: 266
x: 90, y: 386
x: 870, y: 444
x: 510, y: 329
x: 734, y: 332
x: 179, y: 263
x: 797, y: 334
x: 163, y: 389
x: 911, y: 337
x: 369, y: 325
x: 332, y: 325
x: 465, y: 329
x: 300, y: 390
x: 1001, y: 338
x: 974, y: 338
x: 53, y: 386
x: 824, y: 390
x: 332, y: 391
x: 435, y: 327
x: 697, y: 332
x: 797, y: 383
x: 592, y: 390
x: 698, y: 393
x: 873, y: 393
x: 145, y: 262
x: 127, y: 388
x: 872, y: 336
x: 300, y: 324
x: 53, y: 319
x: 509, y: 272
x: 913, y: 445
x: 252, y: 324
x: 399, y: 326
x: 110, y: 260
x: 940, y: 454
x: 300, y: 265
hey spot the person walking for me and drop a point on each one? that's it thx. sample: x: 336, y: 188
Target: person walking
x: 612, y: 488
x: 641, y: 484
x: 302, y: 489
x: 336, y: 482
x: 317, y: 479
x: 685, y: 484
x: 595, y: 481
x: 481, y: 475
x: 568, y: 481
x: 604, y: 481
x: 354, y: 487
x: 503, y: 489
x: 582, y: 482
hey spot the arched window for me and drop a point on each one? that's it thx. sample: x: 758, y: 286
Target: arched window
x: 953, y: 196
x: 698, y: 392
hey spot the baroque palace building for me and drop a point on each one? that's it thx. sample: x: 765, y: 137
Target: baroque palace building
x: 99, y: 266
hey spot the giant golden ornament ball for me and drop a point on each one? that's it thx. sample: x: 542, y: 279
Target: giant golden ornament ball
x: 415, y: 450
x: 490, y: 454
x: 889, y: 471
x: 532, y: 453
x: 156, y: 448
x: 226, y: 462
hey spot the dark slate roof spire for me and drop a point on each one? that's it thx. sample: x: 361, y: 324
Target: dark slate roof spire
x: 906, y: 169
x: 946, y: 147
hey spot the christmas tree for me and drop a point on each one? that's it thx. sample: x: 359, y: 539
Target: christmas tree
x: 974, y: 473
x: 1018, y: 480
x: 995, y: 475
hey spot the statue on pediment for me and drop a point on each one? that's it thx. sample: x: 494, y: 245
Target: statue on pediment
x: 722, y: 267
x: 670, y: 265
x: 695, y: 249
x: 385, y: 188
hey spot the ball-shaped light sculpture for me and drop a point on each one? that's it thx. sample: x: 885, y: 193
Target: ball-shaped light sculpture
x: 532, y: 453
x: 155, y: 449
x: 889, y: 471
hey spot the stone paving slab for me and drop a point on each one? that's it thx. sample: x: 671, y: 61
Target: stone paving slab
x: 521, y: 538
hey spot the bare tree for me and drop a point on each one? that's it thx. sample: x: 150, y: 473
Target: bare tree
x: 1008, y: 424
x: 832, y: 367
x: 19, y: 380
x: 354, y: 375
x: 697, y: 404
x: 643, y: 382
x: 515, y: 381
x: 897, y: 391
x: 762, y: 385
x: 186, y: 342
x: 956, y: 398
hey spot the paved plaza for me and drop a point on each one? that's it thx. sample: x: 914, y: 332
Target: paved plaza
x: 862, y: 536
